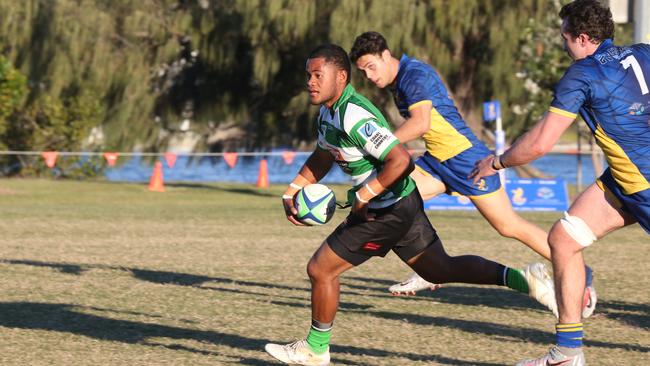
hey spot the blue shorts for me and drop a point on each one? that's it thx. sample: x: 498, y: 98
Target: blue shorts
x: 636, y: 204
x: 453, y: 173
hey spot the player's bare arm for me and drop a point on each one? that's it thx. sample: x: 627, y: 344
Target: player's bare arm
x: 315, y: 168
x: 397, y: 166
x: 530, y: 146
x: 417, y: 124
x: 317, y: 165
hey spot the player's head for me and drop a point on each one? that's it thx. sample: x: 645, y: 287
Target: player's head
x: 371, y: 55
x: 328, y: 72
x: 585, y: 24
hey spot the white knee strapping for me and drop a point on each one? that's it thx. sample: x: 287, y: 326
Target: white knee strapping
x: 578, y: 229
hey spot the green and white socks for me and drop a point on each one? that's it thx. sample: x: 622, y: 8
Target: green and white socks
x: 319, y: 336
x: 513, y: 278
x: 516, y: 280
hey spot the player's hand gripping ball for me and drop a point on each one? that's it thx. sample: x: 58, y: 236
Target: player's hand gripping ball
x: 315, y: 204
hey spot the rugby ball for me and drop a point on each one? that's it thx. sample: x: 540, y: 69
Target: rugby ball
x: 315, y: 204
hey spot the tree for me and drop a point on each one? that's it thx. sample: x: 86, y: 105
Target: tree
x: 151, y: 68
x: 13, y: 87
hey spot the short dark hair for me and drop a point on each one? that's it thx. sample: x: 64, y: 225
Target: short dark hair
x: 333, y: 54
x: 368, y: 43
x: 589, y: 17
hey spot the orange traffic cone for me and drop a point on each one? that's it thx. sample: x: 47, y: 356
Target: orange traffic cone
x: 263, y: 176
x: 156, y: 182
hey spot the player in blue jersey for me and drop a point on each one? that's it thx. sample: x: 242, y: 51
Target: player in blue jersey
x: 451, y: 147
x: 607, y: 85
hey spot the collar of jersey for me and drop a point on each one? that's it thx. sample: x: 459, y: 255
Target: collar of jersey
x: 402, y: 65
x: 604, y: 45
x: 347, y: 93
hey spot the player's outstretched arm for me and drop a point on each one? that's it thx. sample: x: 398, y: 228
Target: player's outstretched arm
x: 314, y: 169
x: 538, y: 141
x: 417, y: 124
x: 530, y: 146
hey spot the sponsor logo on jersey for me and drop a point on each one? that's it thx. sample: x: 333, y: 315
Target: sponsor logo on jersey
x: 367, y: 130
x: 376, y: 135
x: 378, y: 139
x: 637, y: 109
x: 482, y: 185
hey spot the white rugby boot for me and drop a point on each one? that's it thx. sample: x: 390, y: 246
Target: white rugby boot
x: 412, y: 285
x: 590, y: 298
x: 555, y: 357
x: 298, y: 353
x: 540, y: 285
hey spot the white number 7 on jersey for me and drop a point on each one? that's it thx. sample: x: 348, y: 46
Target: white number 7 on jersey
x: 631, y: 61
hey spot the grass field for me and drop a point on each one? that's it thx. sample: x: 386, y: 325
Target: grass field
x: 109, y: 274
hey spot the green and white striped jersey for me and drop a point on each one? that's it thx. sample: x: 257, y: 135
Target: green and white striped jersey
x: 358, y: 136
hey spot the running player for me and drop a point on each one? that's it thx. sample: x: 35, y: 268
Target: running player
x: 607, y: 85
x: 387, y: 210
x: 451, y: 148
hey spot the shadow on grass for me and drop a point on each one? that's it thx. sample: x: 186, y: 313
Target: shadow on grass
x: 68, y: 318
x: 75, y: 269
x: 472, y: 296
x: 186, y: 279
x: 471, y: 326
x: 491, y: 296
x: 632, y: 314
x: 159, y: 277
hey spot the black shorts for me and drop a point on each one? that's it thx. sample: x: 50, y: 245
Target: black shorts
x: 402, y: 227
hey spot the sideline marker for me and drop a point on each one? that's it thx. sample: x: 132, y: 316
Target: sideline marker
x: 156, y: 182
x: 263, y: 176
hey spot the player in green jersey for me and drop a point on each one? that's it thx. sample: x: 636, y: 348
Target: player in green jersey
x: 387, y: 211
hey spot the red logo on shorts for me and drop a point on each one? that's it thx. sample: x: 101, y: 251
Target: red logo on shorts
x: 371, y: 246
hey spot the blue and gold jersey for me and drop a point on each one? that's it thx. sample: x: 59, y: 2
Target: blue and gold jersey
x: 609, y: 90
x: 417, y: 83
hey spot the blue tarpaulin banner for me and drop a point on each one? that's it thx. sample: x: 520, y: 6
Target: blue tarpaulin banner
x: 525, y: 195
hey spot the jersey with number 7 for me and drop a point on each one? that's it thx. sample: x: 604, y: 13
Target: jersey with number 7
x: 609, y: 90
